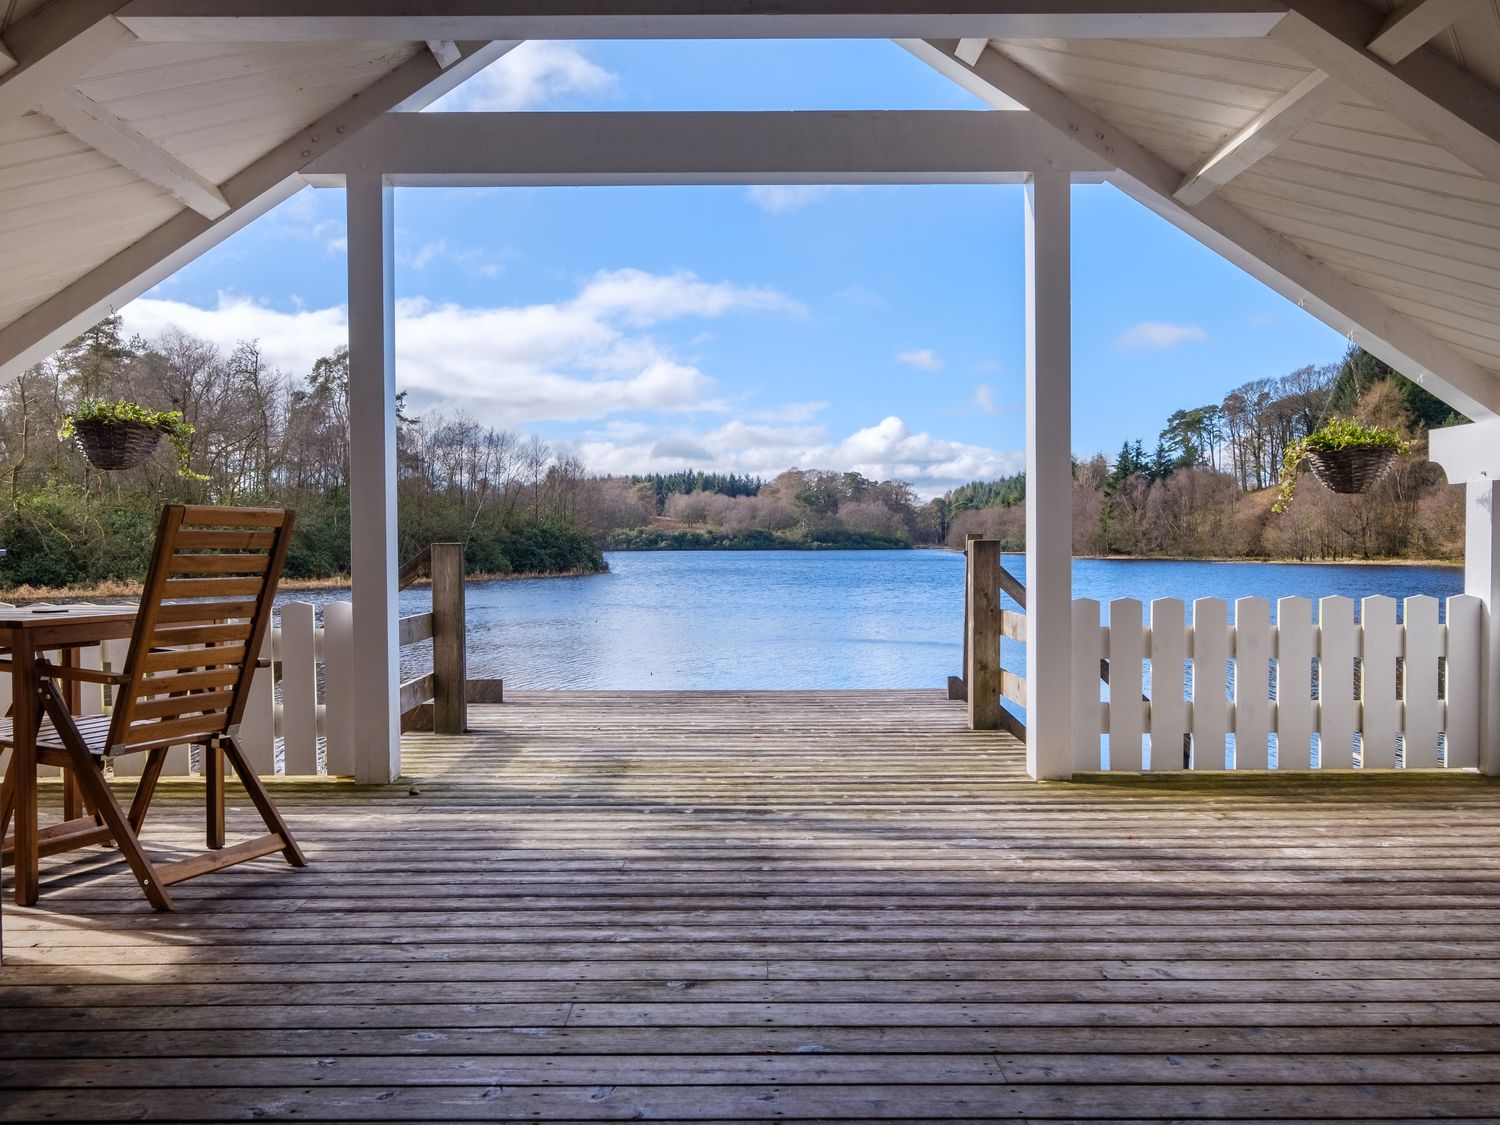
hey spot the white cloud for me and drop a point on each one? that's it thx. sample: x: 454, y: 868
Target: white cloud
x: 1157, y: 334
x: 885, y: 451
x: 536, y: 72
x: 779, y: 198
x: 586, y: 357
x: 790, y: 412
x: 984, y: 399
x: 923, y: 359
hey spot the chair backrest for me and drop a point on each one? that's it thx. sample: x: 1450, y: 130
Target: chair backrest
x: 203, y: 616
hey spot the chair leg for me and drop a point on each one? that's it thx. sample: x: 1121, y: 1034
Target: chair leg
x: 262, y: 801
x: 7, y: 797
x: 145, y: 789
x: 91, y: 778
x: 213, y: 786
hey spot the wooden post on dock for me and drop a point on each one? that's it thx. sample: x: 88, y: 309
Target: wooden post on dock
x: 982, y: 635
x: 450, y: 711
x: 957, y: 688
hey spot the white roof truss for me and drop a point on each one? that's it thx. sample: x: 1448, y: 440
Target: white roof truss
x: 250, y: 193
x: 1312, y: 284
x: 445, y: 51
x: 287, y: 20
x: 1414, y: 24
x: 97, y: 127
x: 831, y: 147
x: 53, y: 47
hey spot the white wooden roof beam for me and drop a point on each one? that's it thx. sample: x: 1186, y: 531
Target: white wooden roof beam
x: 54, y: 47
x: 1414, y: 24
x: 100, y: 129
x: 250, y: 193
x: 1450, y: 107
x: 7, y: 60
x: 445, y: 51
x: 281, y: 20
x: 813, y: 147
x: 1312, y: 284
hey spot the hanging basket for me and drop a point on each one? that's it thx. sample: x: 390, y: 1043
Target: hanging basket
x: 116, y: 445
x: 1351, y: 470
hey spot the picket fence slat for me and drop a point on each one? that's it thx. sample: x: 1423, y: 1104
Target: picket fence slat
x: 1210, y: 668
x: 1294, y: 711
x: 1169, y: 709
x: 1377, y: 682
x: 338, y: 686
x: 299, y: 688
x: 258, y: 725
x: 1461, y: 662
x: 1087, y: 712
x: 1338, y: 708
x: 1419, y: 694
x: 1252, y: 684
x: 1126, y: 649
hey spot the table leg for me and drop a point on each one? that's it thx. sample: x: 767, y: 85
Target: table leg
x: 24, y: 689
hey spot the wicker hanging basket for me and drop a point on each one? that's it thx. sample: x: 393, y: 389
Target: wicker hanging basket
x: 116, y: 445
x: 1351, y: 470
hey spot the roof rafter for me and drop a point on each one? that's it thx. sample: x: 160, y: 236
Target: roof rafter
x: 97, y: 127
x: 250, y: 193
x: 1414, y: 24
x: 273, y: 20
x: 1450, y: 107
x: 54, y: 47
x: 1312, y: 284
x: 445, y: 51
x: 7, y: 60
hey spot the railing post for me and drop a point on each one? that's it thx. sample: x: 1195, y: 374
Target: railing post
x: 982, y: 654
x: 450, y: 711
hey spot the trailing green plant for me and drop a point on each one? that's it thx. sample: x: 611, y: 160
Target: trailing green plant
x: 172, y: 425
x: 1335, y: 435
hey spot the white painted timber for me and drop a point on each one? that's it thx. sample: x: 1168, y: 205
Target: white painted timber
x: 1169, y: 707
x: 1353, y: 311
x: 1426, y: 89
x: 1414, y: 24
x: 372, y: 473
x: 1482, y: 580
x: 54, y: 47
x: 1127, y: 718
x: 299, y: 688
x: 970, y: 49
x: 290, y: 20
x: 1252, y: 684
x: 251, y: 193
x: 1049, y: 475
x: 1210, y: 653
x: 1088, y: 709
x: 1466, y: 453
x: 100, y: 129
x: 1295, y: 709
x: 1461, y: 726
x: 445, y: 51
x: 258, y: 724
x: 338, y: 686
x: 1282, y: 119
x: 1380, y: 642
x: 813, y: 147
x: 1422, y: 646
x: 7, y: 60
x: 1338, y: 704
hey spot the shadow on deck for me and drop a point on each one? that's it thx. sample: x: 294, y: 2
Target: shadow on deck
x: 752, y: 906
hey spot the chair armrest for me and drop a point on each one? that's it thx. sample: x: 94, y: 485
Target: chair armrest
x: 86, y: 675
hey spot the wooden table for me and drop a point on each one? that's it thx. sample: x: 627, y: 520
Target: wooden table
x: 27, y: 632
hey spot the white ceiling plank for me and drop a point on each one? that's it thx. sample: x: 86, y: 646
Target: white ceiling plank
x: 1426, y: 90
x: 445, y: 51
x: 1274, y: 259
x: 397, y: 20
x: 970, y: 49
x: 56, y: 46
x: 251, y: 193
x: 1277, y: 123
x: 810, y: 147
x: 101, y: 130
x: 1414, y: 24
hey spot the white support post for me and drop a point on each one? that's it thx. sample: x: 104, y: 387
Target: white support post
x: 1482, y: 580
x: 1049, y: 477
x: 372, y: 478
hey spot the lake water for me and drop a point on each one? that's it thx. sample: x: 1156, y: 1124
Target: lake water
x: 812, y: 619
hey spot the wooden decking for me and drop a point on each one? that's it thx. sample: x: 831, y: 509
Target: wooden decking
x: 780, y: 906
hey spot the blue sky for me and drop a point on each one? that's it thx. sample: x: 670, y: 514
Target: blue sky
x: 751, y: 329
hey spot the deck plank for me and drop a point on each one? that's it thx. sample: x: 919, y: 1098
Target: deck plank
x: 736, y: 906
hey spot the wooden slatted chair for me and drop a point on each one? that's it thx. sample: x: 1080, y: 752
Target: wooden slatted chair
x: 204, y: 614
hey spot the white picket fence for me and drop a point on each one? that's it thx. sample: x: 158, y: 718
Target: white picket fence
x: 1293, y: 694
x: 290, y: 726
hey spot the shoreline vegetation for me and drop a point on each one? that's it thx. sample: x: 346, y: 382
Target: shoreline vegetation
x: 255, y: 435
